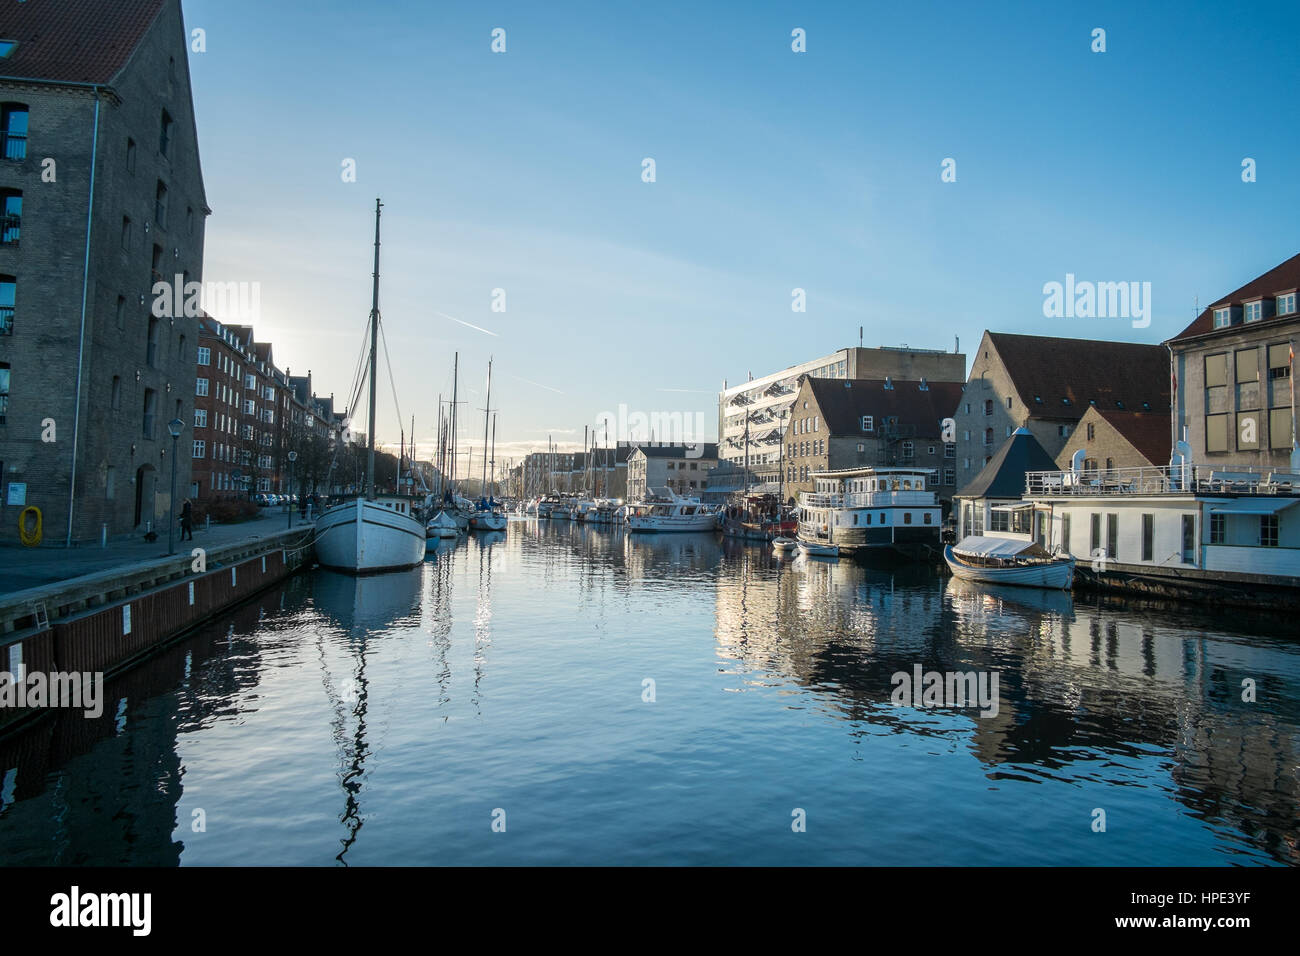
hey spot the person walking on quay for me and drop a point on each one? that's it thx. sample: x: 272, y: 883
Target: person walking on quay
x: 187, y: 519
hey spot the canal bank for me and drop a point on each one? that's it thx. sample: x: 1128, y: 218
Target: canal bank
x: 60, y: 635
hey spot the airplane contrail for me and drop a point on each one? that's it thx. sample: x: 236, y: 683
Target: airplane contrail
x: 463, y: 322
x: 538, y: 384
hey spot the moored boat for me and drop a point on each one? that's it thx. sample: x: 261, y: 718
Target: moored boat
x: 1008, y: 561
x: 784, y: 545
x: 670, y: 512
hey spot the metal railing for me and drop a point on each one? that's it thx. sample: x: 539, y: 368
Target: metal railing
x: 867, y: 499
x: 1158, y: 480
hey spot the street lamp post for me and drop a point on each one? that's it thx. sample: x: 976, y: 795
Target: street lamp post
x: 293, y: 456
x: 174, y: 428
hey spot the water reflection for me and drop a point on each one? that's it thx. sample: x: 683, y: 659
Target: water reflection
x: 321, y: 722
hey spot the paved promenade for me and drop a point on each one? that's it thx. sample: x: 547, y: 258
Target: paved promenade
x: 22, y: 568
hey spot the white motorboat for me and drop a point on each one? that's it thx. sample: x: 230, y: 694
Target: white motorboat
x: 814, y: 550
x: 374, y: 532
x: 671, y: 513
x: 784, y: 545
x: 1023, y: 563
x: 487, y: 519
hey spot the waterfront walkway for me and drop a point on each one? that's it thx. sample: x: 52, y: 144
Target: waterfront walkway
x: 22, y: 568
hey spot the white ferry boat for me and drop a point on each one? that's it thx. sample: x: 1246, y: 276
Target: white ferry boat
x: 669, y: 512
x: 888, y: 511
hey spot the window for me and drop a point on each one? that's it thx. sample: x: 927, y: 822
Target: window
x: 950, y: 476
x: 250, y: 381
x: 908, y: 450
x: 189, y: 220
x: 1247, y: 366
x: 200, y: 448
x: 8, y: 289
x: 11, y: 215
x: 1216, y: 433
x: 1253, y: 311
x: 1065, y: 533
x: 1222, y: 318
x: 1112, y: 536
x: 151, y: 350
x: 1148, y: 536
x: 988, y: 437
x: 988, y: 406
x: 1092, y: 431
x: 1286, y: 304
x: 157, y: 262
x: 205, y: 355
x: 1094, y: 534
x: 999, y: 521
x: 110, y: 482
x: 130, y: 155
x: 950, y: 450
x: 1064, y: 431
x: 1268, y: 531
x: 868, y: 423
x: 13, y: 130
x: 121, y: 312
x: 907, y: 517
x: 115, y: 396
x: 4, y: 391
x: 126, y: 232
x: 1189, y: 539
x: 160, y: 204
x: 150, y: 410
x: 200, y: 386
x: 1008, y: 401
x: 1216, y: 370
x: 7, y: 47
x: 200, y: 418
x: 1218, y: 528
x: 165, y: 133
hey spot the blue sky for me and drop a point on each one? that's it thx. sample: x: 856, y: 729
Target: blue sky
x: 775, y: 170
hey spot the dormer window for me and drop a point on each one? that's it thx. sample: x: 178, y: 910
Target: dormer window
x: 1222, y: 318
x: 1286, y: 304
x: 1119, y: 404
x: 7, y: 47
x: 867, y: 423
x: 1038, y: 399
x: 1253, y: 311
x: 1066, y: 401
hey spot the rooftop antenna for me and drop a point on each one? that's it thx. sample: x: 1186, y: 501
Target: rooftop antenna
x: 859, y: 336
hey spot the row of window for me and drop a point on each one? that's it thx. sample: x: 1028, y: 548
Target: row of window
x: 1255, y: 310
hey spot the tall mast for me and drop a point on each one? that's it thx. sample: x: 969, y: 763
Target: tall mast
x: 487, y: 411
x: 455, y: 381
x: 374, y: 344
x: 494, y: 450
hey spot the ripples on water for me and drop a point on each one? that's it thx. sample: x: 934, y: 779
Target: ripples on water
x: 385, y: 720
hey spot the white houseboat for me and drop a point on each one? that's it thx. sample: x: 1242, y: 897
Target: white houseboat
x: 886, y: 511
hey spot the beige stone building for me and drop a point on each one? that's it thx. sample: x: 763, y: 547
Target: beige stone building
x: 683, y: 469
x: 1113, y: 439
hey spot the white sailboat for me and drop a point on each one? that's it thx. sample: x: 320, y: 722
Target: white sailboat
x: 375, y: 532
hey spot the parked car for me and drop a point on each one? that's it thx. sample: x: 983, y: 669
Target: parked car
x: 262, y: 500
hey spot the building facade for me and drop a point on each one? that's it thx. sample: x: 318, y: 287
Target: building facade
x: 1046, y: 385
x: 856, y: 423
x: 1234, y: 367
x: 759, y: 409
x: 103, y: 199
x: 1114, y: 439
x: 682, y: 469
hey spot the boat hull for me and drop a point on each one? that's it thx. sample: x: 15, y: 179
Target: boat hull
x: 364, y: 537
x: 487, y: 522
x: 1058, y: 575
x: 664, y: 523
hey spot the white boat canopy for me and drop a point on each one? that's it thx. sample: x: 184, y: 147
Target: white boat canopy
x: 980, y: 546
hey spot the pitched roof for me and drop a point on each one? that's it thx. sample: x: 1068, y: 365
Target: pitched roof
x: 74, y: 41
x: 1148, y: 432
x: 1282, y: 278
x: 1004, y: 475
x: 679, y: 451
x: 1047, y: 371
x: 844, y: 402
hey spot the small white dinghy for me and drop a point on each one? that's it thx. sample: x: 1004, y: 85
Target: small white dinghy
x: 1008, y: 561
x: 442, y: 525
x: 815, y: 550
x: 784, y: 545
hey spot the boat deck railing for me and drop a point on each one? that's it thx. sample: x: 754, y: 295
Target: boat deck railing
x: 867, y: 499
x: 1158, y: 480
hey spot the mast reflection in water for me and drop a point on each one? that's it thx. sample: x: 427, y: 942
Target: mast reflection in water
x: 383, y: 720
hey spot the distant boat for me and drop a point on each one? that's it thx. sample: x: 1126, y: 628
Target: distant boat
x: 814, y: 550
x: 488, y: 515
x: 670, y: 513
x: 1012, y: 561
x: 371, y: 533
x: 442, y: 525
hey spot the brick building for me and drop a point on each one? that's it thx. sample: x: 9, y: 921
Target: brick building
x: 1234, y: 370
x: 853, y: 423
x: 1046, y: 385
x: 103, y: 197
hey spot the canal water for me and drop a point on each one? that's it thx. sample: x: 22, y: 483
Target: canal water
x: 565, y: 694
